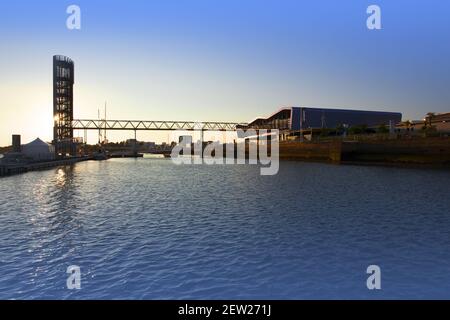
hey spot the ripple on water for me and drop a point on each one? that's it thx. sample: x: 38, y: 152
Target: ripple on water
x: 148, y: 229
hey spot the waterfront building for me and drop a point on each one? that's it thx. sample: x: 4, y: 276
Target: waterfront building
x: 410, y: 126
x: 297, y: 120
x: 38, y: 150
x: 440, y: 121
x: 34, y: 151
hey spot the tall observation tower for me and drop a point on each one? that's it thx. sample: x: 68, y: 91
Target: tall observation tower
x: 63, y: 80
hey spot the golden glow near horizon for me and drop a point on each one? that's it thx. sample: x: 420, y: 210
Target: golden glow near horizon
x: 30, y: 114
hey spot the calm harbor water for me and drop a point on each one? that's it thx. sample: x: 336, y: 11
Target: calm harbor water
x: 148, y: 229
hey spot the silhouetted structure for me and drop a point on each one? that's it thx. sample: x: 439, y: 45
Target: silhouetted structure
x: 16, y: 143
x: 63, y: 80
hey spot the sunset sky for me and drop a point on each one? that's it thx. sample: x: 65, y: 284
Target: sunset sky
x: 221, y: 60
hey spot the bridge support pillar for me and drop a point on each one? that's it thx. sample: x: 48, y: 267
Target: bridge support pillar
x: 135, y: 143
x: 202, y: 138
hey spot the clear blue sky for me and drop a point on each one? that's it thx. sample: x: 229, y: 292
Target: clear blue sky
x: 225, y: 60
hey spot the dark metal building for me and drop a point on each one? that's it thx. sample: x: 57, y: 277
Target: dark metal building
x: 63, y: 80
x: 305, y: 118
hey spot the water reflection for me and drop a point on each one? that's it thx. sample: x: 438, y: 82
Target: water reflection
x: 64, y: 177
x: 148, y: 229
x: 64, y: 198
x: 55, y: 220
x: 61, y: 178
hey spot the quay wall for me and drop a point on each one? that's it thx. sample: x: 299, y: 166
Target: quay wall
x: 432, y: 150
x: 6, y: 170
x: 427, y: 151
x: 310, y: 151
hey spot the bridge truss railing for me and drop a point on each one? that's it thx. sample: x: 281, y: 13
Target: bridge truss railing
x: 85, y: 124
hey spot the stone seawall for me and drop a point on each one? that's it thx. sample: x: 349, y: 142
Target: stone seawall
x: 434, y: 151
x: 311, y: 151
x: 428, y: 151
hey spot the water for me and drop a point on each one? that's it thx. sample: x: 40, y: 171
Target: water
x: 147, y: 229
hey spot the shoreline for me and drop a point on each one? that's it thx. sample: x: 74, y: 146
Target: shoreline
x: 414, y: 153
x: 7, y: 170
x: 418, y: 152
